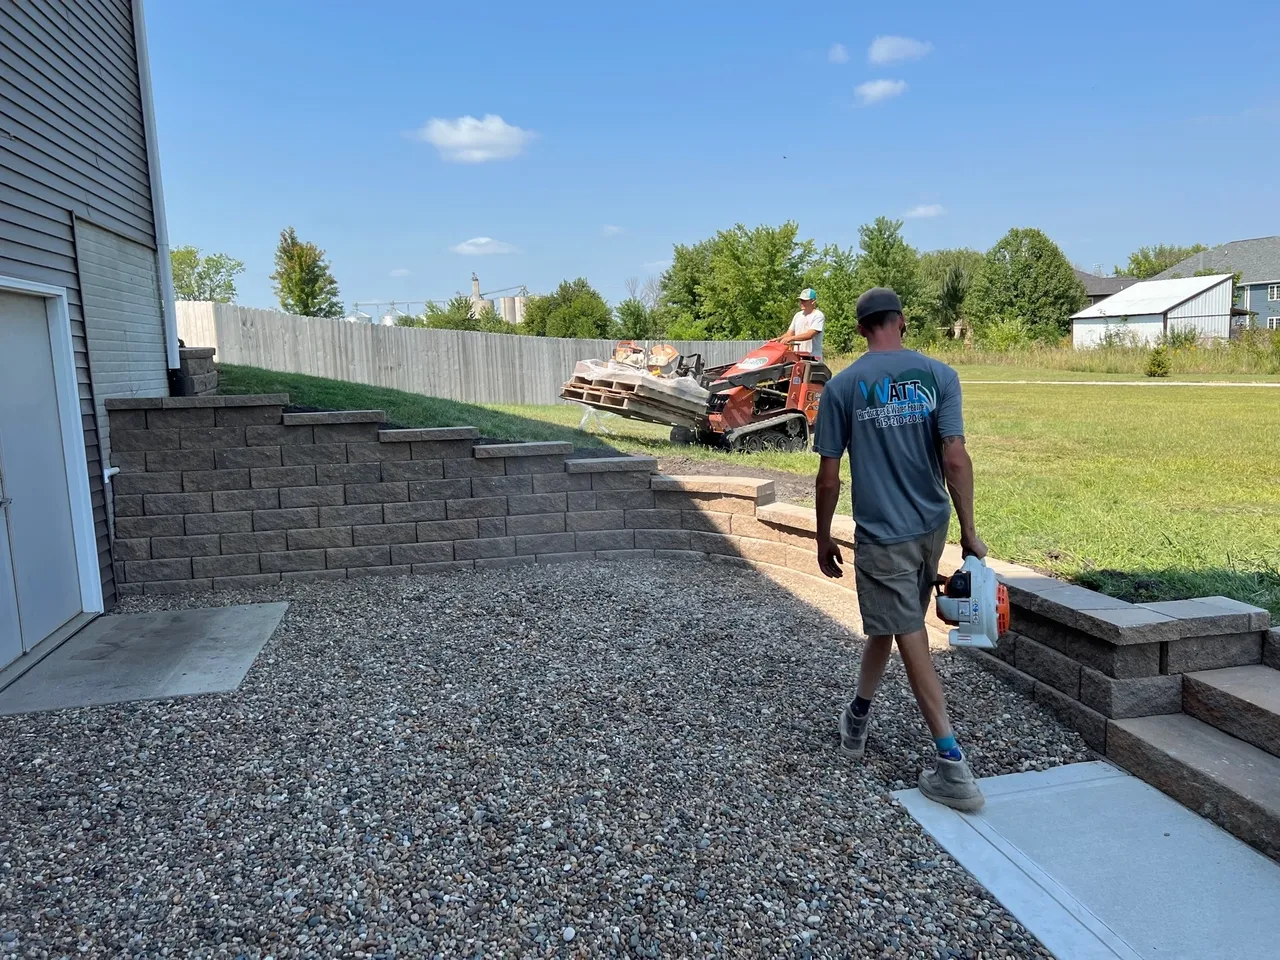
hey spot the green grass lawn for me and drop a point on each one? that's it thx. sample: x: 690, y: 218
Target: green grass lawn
x: 982, y: 371
x: 1146, y: 494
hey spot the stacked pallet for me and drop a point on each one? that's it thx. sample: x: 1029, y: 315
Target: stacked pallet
x: 638, y: 396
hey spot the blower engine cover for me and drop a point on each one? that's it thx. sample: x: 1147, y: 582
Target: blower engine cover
x: 975, y: 603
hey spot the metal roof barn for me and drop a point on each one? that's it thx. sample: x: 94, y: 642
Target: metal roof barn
x: 1151, y: 309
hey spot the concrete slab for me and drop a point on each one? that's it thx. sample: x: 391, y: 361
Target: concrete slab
x: 147, y: 656
x: 1099, y: 865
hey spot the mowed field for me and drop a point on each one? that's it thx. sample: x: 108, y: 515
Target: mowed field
x: 1142, y: 492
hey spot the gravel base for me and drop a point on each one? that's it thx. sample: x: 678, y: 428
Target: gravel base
x: 592, y: 760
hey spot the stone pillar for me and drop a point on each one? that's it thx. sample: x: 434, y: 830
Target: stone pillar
x: 197, y: 376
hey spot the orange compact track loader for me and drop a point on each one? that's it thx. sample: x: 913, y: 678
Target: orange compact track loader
x: 768, y: 400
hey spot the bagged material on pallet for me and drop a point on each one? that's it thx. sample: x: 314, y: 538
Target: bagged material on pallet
x: 683, y: 390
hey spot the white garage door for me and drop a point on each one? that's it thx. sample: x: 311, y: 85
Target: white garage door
x: 40, y: 588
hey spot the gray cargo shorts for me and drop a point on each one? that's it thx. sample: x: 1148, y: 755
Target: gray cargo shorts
x: 895, y: 582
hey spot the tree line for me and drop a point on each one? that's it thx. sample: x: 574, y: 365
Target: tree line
x: 741, y: 284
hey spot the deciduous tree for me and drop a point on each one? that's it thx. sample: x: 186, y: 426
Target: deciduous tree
x: 1146, y: 262
x: 635, y: 320
x: 574, y: 310
x: 303, y: 281
x: 211, y: 277
x: 887, y: 260
x: 945, y: 278
x: 1026, y: 282
x: 755, y: 276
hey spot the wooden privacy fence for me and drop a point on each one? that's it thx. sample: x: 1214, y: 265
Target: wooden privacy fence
x: 457, y: 365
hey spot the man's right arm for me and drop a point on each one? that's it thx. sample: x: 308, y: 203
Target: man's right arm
x: 958, y: 469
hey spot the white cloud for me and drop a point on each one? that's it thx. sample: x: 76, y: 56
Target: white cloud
x: 610, y: 230
x: 892, y: 49
x: 925, y: 210
x: 399, y: 272
x: 874, y: 91
x: 481, y: 246
x: 838, y: 53
x: 468, y: 140
x: 656, y: 264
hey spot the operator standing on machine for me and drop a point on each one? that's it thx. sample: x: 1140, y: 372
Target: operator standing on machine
x: 805, y: 333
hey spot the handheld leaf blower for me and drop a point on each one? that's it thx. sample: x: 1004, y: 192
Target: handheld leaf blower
x: 975, y: 603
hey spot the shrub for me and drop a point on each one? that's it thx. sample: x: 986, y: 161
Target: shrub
x: 1158, y: 364
x: 1181, y: 338
x: 1119, y: 335
x: 1005, y: 333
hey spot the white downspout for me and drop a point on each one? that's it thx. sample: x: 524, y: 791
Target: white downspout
x: 157, y: 187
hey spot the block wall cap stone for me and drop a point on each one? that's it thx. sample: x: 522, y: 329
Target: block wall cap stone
x: 334, y: 416
x: 196, y: 353
x: 762, y: 490
x: 545, y: 448
x: 790, y: 516
x: 1208, y: 616
x: 1129, y: 626
x: 187, y: 403
x: 429, y: 434
x: 611, y: 464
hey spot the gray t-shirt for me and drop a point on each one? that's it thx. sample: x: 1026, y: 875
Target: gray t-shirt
x: 890, y: 411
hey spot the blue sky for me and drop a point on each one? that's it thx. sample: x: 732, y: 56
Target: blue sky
x: 626, y: 128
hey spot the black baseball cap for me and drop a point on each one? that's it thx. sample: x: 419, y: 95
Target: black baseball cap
x: 877, y: 300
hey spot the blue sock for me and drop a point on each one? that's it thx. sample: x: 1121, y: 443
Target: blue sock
x: 947, y: 747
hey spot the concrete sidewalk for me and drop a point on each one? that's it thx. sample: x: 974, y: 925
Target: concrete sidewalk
x: 1100, y: 866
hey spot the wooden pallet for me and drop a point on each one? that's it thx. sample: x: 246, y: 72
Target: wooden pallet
x: 630, y: 405
x: 650, y: 393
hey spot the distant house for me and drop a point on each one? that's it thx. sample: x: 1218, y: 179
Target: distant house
x: 1145, y: 311
x: 1258, y: 263
x: 1099, y: 288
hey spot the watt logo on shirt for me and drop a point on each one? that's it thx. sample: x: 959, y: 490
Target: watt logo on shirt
x: 905, y: 391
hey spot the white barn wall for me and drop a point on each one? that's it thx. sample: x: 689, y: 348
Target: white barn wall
x: 1209, y: 314
x: 1092, y: 333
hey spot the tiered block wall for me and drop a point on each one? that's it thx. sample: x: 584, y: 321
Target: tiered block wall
x: 225, y: 492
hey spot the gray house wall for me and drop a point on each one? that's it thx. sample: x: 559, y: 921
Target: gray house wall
x: 73, y: 153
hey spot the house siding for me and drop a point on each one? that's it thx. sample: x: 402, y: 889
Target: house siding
x: 72, y: 146
x: 1255, y: 299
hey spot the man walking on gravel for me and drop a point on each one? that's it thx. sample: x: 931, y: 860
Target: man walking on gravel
x: 898, y: 414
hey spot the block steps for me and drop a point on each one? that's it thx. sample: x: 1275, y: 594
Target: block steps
x: 1241, y: 701
x: 1223, y: 778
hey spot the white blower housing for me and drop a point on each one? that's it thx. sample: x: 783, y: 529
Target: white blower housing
x: 975, y: 603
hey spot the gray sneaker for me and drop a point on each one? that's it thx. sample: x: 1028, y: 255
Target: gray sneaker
x: 853, y: 732
x: 952, y: 783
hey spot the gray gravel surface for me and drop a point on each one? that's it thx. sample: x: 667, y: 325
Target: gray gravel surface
x: 607, y: 760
